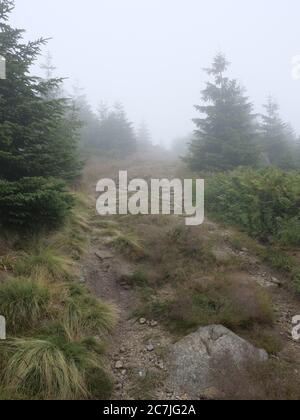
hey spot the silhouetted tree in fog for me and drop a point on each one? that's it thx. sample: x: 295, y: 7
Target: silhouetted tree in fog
x: 89, y: 121
x: 278, y: 143
x: 116, y: 131
x: 226, y: 135
x: 143, y: 137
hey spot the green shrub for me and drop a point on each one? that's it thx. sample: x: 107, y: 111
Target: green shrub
x: 265, y: 203
x: 289, y: 232
x: 24, y: 303
x: 33, y: 204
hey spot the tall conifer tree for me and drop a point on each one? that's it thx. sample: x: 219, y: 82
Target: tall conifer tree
x: 226, y: 135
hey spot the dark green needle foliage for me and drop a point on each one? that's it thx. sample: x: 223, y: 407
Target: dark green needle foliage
x: 37, y: 135
x: 226, y: 135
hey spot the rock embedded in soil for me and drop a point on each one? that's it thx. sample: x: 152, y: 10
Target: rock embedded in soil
x: 197, y: 361
x: 119, y: 364
x: 104, y: 255
x: 150, y: 347
x: 143, y: 321
x: 275, y: 281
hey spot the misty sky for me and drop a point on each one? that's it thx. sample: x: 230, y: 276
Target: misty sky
x: 149, y: 54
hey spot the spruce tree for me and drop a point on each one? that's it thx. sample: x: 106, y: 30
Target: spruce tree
x: 116, y: 131
x: 89, y: 123
x: 36, y: 137
x: 277, y: 138
x: 38, y: 140
x: 226, y: 135
x: 143, y: 137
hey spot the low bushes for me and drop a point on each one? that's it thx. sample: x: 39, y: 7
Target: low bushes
x: 33, y: 204
x: 265, y: 203
x: 231, y: 303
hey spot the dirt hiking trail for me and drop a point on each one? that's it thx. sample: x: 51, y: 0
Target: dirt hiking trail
x: 137, y: 355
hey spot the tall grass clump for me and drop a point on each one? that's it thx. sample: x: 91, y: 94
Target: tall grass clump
x: 83, y: 314
x: 129, y: 247
x: 40, y: 368
x: 45, y: 262
x: 24, y: 303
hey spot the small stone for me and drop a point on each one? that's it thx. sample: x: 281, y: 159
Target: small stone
x: 119, y: 387
x: 104, y: 255
x: 123, y: 349
x: 150, y: 347
x: 143, y: 321
x: 276, y: 281
x: 119, y: 365
x: 124, y: 371
x: 142, y: 373
x: 153, y: 324
x: 244, y: 249
x: 160, y: 365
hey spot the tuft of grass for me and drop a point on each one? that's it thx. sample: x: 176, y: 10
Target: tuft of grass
x: 40, y: 367
x: 138, y: 279
x: 6, y: 395
x: 99, y: 383
x: 273, y: 380
x: 24, y: 303
x: 145, y: 388
x: 84, y: 314
x: 152, y: 308
x: 129, y: 247
x: 45, y: 263
x: 265, y: 338
x: 104, y: 224
x: 7, y: 262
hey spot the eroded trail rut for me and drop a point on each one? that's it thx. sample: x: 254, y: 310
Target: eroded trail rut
x: 134, y: 348
x: 137, y: 352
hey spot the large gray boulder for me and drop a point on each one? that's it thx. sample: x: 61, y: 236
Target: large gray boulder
x: 198, y: 359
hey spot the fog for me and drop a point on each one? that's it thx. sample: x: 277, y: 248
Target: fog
x: 149, y: 54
